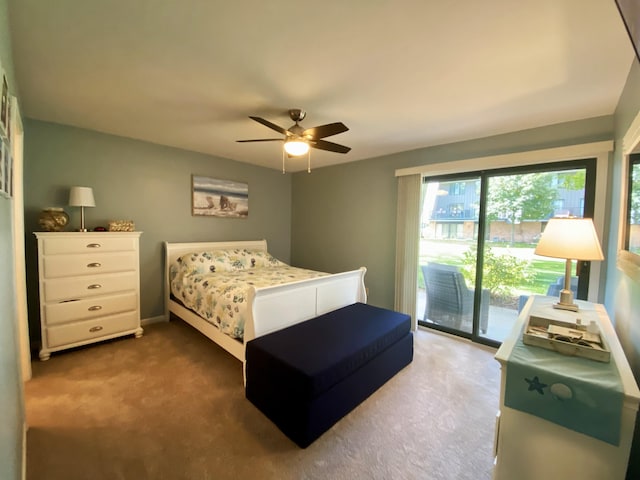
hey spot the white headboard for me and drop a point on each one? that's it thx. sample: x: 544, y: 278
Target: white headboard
x: 174, y: 250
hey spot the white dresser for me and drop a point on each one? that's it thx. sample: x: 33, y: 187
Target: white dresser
x: 530, y: 447
x: 89, y: 287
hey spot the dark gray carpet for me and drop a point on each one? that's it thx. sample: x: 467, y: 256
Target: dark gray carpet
x: 171, y: 405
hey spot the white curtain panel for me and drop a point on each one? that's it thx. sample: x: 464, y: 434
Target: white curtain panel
x: 407, y: 244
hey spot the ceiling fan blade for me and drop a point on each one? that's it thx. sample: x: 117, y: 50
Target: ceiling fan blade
x: 262, y: 140
x: 330, y: 146
x: 325, y: 130
x: 272, y: 126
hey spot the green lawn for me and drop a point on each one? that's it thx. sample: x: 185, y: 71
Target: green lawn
x: 544, y: 271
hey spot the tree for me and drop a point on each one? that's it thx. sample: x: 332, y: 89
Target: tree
x: 500, y: 273
x: 520, y: 197
x: 572, y: 179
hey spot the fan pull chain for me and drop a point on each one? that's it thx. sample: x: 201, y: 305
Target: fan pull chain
x: 309, y: 161
x: 283, y: 170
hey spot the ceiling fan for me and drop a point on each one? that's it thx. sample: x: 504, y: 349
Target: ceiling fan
x: 297, y: 139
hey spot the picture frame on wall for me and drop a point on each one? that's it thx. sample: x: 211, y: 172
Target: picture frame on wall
x: 4, y: 105
x: 9, y: 121
x: 4, y: 175
x: 214, y: 197
x: 6, y: 169
x: 9, y: 178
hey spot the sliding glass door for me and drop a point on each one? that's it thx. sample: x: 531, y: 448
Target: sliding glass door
x: 448, y: 252
x: 477, y: 241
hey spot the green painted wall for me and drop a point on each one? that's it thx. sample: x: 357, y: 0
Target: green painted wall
x: 345, y: 216
x: 149, y: 184
x: 334, y: 219
x: 11, y: 399
x: 622, y: 294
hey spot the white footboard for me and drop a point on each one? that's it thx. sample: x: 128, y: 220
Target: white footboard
x: 280, y: 306
x: 272, y: 308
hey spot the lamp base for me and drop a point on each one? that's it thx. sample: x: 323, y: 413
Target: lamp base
x: 566, y: 301
x: 566, y: 306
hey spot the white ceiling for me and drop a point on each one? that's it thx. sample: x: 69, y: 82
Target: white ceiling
x: 401, y: 74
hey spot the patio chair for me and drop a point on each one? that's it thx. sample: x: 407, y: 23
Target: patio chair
x: 553, y: 290
x: 449, y: 300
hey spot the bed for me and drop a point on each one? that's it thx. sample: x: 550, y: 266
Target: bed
x: 268, y: 308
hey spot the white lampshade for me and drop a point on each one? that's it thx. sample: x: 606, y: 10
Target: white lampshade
x: 570, y: 238
x: 296, y: 147
x: 81, y: 197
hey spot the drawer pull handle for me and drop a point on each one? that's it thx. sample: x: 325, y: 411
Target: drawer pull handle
x: 94, y: 286
x: 94, y: 265
x: 93, y: 245
x: 95, y: 329
x: 95, y: 308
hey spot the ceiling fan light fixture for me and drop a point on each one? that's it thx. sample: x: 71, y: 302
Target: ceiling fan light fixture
x: 298, y: 141
x: 296, y: 147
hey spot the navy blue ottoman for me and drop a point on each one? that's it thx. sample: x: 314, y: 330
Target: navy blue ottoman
x: 306, y: 377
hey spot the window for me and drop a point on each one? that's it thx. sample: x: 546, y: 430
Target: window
x: 457, y: 188
x: 494, y: 229
x: 456, y: 210
x: 632, y: 240
x: 408, y: 256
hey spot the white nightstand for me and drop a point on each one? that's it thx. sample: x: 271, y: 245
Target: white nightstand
x: 89, y: 287
x: 530, y: 447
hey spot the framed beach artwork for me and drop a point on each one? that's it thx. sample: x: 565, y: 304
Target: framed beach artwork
x: 219, y: 198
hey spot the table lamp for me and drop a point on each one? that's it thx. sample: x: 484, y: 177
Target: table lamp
x: 569, y: 238
x: 81, y: 197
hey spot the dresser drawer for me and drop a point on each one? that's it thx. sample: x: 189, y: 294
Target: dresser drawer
x: 65, y: 312
x: 56, y: 289
x: 91, y: 329
x: 71, y: 265
x: 57, y: 246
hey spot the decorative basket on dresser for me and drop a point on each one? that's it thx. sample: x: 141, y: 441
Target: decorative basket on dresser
x: 89, y: 288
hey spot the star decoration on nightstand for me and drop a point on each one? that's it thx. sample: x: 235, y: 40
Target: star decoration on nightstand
x: 536, y: 385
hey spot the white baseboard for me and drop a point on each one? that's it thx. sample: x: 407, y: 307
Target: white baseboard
x: 148, y: 321
x: 25, y: 427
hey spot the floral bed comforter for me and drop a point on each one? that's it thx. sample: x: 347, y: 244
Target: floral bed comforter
x: 216, y: 284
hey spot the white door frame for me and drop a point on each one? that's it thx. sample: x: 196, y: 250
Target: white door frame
x: 22, y: 318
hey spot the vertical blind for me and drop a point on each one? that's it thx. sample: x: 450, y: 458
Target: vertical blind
x: 407, y: 244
